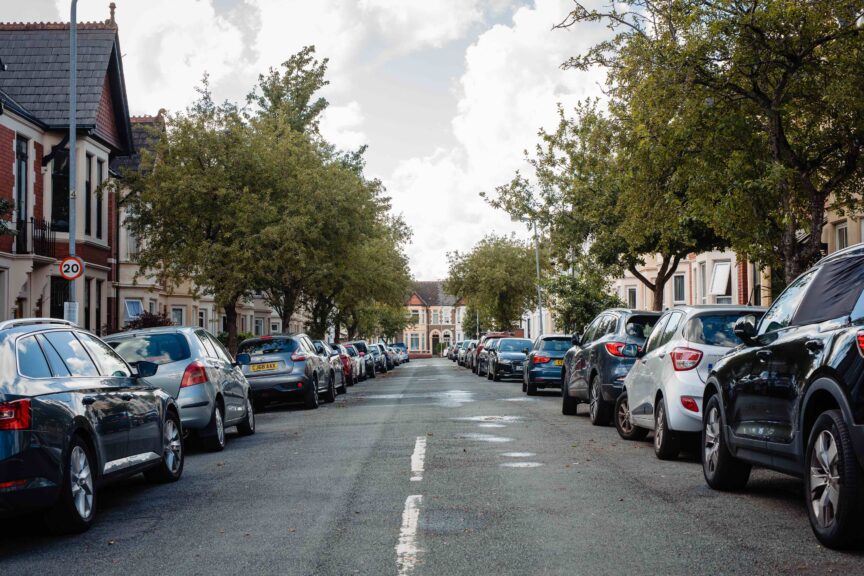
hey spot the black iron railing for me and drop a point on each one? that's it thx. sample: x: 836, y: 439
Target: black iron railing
x: 35, y: 237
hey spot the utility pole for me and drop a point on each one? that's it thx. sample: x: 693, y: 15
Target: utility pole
x: 72, y: 313
x: 539, y: 295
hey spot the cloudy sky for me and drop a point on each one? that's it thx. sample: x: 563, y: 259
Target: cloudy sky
x: 446, y: 93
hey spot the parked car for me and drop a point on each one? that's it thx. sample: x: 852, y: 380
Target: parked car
x: 468, y: 347
x: 790, y: 398
x: 473, y: 363
x: 545, y: 363
x: 379, y: 357
x: 73, y: 416
x: 365, y: 353
x: 357, y: 362
x: 595, y: 367
x: 483, y: 356
x: 287, y: 368
x: 507, y: 358
x: 199, y: 373
x: 336, y: 373
x: 349, y: 367
x: 454, y: 351
x: 403, y: 351
x: 663, y: 391
x: 389, y: 356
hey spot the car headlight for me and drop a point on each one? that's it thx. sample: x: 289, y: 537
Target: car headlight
x: 505, y: 361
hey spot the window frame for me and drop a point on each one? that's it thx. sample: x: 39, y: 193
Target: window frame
x: 844, y: 228
x: 128, y: 301
x: 683, y: 279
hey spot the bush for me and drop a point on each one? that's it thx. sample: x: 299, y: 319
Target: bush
x: 148, y: 320
x: 241, y: 336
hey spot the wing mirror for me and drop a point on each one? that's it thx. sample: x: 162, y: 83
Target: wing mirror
x: 243, y: 360
x: 745, y: 329
x: 525, y: 351
x: 576, y: 340
x: 146, y: 369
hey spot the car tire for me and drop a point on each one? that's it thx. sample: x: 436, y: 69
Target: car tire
x: 830, y: 434
x: 531, y: 389
x: 623, y: 420
x: 312, y: 401
x: 667, y: 444
x: 170, y: 467
x: 569, y: 405
x: 75, y: 510
x: 721, y: 469
x: 332, y: 393
x: 599, y: 411
x: 214, y: 435
x: 496, y: 377
x: 344, y: 388
x: 524, y: 384
x: 247, y: 427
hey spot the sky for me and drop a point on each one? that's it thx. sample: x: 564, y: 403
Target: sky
x: 447, y: 94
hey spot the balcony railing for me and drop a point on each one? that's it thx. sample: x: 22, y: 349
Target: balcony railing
x: 35, y: 237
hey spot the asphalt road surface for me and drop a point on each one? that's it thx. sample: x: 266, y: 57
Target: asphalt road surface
x: 430, y: 470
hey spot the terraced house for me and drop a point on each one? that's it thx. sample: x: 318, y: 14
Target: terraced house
x: 35, y: 160
x: 437, y: 319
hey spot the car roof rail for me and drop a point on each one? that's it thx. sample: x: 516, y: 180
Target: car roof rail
x: 33, y: 322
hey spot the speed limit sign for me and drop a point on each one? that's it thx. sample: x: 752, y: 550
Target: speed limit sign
x: 71, y: 268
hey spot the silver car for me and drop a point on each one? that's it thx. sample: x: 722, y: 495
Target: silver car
x: 663, y: 390
x: 199, y: 373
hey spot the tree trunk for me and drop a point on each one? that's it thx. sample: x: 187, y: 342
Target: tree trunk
x: 231, y: 315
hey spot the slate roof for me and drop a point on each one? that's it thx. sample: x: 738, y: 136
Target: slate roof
x: 36, y: 78
x: 142, y: 138
x: 433, y: 294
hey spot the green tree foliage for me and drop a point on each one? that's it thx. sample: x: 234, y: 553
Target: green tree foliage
x: 578, y: 297
x: 497, y: 277
x: 475, y: 323
x: 778, y: 83
x: 5, y: 211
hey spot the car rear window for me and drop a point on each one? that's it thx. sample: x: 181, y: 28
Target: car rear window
x: 714, y: 329
x: 262, y: 347
x: 555, y: 345
x: 513, y: 345
x: 351, y: 350
x: 156, y: 348
x: 640, y: 326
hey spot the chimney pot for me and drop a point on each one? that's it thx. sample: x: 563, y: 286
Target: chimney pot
x: 112, y: 7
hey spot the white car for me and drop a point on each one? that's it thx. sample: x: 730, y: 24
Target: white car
x: 663, y: 391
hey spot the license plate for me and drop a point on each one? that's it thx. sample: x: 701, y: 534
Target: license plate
x: 559, y: 362
x: 263, y: 367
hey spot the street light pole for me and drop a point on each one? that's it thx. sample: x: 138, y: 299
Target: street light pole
x: 73, y: 133
x: 537, y: 262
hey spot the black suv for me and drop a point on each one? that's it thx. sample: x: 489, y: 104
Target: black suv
x: 790, y: 398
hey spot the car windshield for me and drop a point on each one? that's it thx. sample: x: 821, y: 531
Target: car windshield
x: 155, y: 348
x: 273, y: 346
x: 351, y: 350
x: 640, y: 326
x: 513, y: 345
x: 555, y: 344
x: 714, y: 329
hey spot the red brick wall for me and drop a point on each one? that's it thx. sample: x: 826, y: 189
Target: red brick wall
x: 743, y: 284
x: 91, y: 254
x: 106, y: 120
x: 38, y: 183
x: 7, y: 176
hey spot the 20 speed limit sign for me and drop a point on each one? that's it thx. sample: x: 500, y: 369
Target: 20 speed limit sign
x: 71, y: 268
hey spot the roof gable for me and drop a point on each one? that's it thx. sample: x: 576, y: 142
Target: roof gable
x: 432, y: 293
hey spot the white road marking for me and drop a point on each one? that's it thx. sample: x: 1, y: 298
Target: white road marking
x: 406, y: 549
x: 489, y: 419
x: 485, y: 437
x: 418, y: 458
x: 518, y: 454
x: 491, y: 425
x: 520, y: 464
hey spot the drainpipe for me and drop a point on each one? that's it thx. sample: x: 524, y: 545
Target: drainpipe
x: 73, y: 129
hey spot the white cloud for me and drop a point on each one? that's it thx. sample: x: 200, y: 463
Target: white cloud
x: 413, y: 24
x: 341, y: 125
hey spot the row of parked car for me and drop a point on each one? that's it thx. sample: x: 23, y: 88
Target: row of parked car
x: 77, y: 411
x: 781, y: 388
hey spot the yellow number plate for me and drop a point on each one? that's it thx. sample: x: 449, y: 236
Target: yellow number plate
x: 559, y: 362
x: 264, y: 367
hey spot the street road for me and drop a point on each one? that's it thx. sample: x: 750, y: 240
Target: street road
x: 433, y: 471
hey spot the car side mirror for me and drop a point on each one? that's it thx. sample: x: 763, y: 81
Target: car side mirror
x: 745, y: 329
x: 632, y: 351
x: 576, y: 340
x: 146, y: 369
x: 525, y: 351
x: 243, y: 360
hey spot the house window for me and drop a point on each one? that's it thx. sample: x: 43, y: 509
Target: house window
x: 446, y: 319
x: 59, y: 294
x: 132, y: 247
x: 703, y: 283
x: 435, y: 317
x: 631, y: 297
x: 152, y: 306
x: 415, y: 317
x: 60, y: 191
x: 274, y: 328
x: 100, y: 176
x: 202, y: 318
x: 415, y: 342
x: 842, y: 235
x: 21, y: 146
x: 259, y: 327
x: 678, y: 289
x: 88, y: 196
x: 177, y: 315
x: 756, y: 298
x: 134, y: 309
x: 721, y: 283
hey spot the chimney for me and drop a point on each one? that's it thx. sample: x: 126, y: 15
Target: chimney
x: 112, y: 7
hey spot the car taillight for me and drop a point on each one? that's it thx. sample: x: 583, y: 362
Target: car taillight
x: 298, y: 357
x: 540, y: 359
x: 15, y: 415
x: 684, y: 359
x: 362, y: 354
x: 615, y: 348
x: 196, y: 373
x: 689, y: 404
x: 861, y: 343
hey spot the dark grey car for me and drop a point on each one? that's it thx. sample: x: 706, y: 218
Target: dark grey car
x: 199, y: 373
x: 287, y: 368
x: 595, y: 367
x: 331, y: 356
x: 506, y: 358
x: 73, y: 415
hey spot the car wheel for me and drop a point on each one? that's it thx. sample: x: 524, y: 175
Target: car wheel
x: 833, y: 484
x: 76, y: 507
x: 247, y: 427
x: 569, y: 406
x: 531, y: 388
x: 170, y: 468
x: 496, y: 377
x: 330, y: 395
x: 721, y: 469
x: 667, y: 445
x: 312, y: 400
x: 524, y: 383
x: 598, y: 409
x: 624, y: 422
x: 344, y: 388
x: 214, y: 434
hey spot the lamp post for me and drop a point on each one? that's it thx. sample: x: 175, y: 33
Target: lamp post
x: 73, y: 133
x: 539, y: 294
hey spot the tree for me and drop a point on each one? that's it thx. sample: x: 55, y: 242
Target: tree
x: 149, y: 320
x: 5, y: 211
x: 577, y: 298
x: 497, y: 277
x: 790, y: 69
x: 197, y: 206
x: 475, y: 323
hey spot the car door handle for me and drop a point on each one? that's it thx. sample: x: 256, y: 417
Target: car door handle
x: 661, y: 355
x: 764, y: 355
x: 88, y: 400
x: 126, y: 396
x: 814, y: 345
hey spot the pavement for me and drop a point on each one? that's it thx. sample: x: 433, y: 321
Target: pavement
x: 430, y: 470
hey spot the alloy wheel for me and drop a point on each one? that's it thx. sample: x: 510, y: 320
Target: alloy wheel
x: 250, y: 414
x: 595, y: 401
x: 712, y: 439
x: 174, y: 445
x: 659, y: 427
x: 81, y: 482
x: 824, y: 479
x: 220, y: 426
x: 624, y: 421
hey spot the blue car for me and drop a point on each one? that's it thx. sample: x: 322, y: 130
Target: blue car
x: 545, y: 363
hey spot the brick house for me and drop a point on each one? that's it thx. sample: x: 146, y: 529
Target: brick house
x: 437, y: 319
x: 34, y: 166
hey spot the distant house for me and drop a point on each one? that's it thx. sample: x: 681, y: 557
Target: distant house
x: 35, y: 161
x: 437, y: 319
